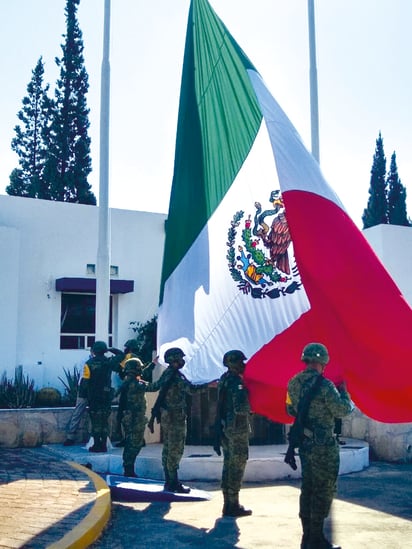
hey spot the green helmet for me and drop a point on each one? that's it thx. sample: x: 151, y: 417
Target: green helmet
x: 132, y: 344
x: 315, y: 352
x: 133, y: 366
x: 233, y: 357
x: 99, y: 347
x: 172, y: 354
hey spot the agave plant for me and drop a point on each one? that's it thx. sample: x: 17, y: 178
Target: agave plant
x: 70, y: 384
x: 17, y: 393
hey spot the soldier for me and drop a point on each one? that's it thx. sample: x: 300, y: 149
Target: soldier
x: 318, y: 450
x: 131, y: 347
x: 232, y: 421
x: 97, y: 383
x: 172, y: 404
x: 132, y: 410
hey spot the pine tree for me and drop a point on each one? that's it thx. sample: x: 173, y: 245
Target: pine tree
x: 28, y: 143
x: 397, y: 214
x: 376, y: 211
x: 69, y: 162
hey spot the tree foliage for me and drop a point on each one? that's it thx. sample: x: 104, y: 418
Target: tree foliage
x: 397, y: 214
x: 376, y: 211
x: 146, y: 337
x: 54, y: 145
x: 29, y: 141
x: 387, y: 195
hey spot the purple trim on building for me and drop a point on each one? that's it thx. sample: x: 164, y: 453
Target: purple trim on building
x: 88, y: 285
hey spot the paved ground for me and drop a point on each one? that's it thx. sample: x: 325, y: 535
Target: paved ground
x: 373, y: 509
x: 46, y: 502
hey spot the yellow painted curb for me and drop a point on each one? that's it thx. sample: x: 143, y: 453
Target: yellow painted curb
x: 90, y: 528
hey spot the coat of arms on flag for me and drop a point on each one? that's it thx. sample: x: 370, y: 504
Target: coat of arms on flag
x: 260, y: 256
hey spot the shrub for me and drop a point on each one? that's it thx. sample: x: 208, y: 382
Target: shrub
x: 48, y: 397
x: 145, y: 337
x: 71, y: 385
x: 17, y: 393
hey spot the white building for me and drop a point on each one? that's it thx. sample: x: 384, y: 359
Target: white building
x: 48, y: 254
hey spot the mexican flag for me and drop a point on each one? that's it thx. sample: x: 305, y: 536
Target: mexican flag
x: 268, y: 262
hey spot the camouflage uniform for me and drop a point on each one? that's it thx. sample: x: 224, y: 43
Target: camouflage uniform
x: 235, y: 435
x: 97, y: 382
x: 319, y: 450
x: 173, y: 420
x: 121, y: 359
x: 132, y: 410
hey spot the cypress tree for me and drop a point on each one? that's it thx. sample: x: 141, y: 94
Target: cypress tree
x: 376, y: 211
x: 69, y: 162
x: 28, y: 143
x: 397, y: 214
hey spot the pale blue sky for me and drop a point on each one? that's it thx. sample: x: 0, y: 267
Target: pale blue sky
x: 364, y: 52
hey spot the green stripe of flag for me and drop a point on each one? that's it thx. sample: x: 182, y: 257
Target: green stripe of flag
x: 218, y: 121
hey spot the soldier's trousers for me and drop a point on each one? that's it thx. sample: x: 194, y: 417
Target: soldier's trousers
x: 235, y: 455
x: 74, y: 423
x: 99, y: 418
x: 173, y: 424
x: 320, y: 468
x: 133, y: 428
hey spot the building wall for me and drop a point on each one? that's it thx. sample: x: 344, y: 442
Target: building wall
x: 41, y: 241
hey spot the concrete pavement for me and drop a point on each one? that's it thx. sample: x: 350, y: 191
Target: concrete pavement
x: 373, y: 509
x: 51, y: 500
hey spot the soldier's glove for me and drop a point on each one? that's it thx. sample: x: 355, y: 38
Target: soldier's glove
x: 216, y: 448
x: 290, y: 458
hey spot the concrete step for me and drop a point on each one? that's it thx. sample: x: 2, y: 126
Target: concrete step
x: 266, y: 463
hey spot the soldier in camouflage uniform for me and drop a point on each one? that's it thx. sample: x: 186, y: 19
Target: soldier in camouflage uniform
x: 131, y: 347
x: 318, y: 451
x: 96, y: 380
x: 132, y: 411
x: 233, y: 420
x: 173, y: 415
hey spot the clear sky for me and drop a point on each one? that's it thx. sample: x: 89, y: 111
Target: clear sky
x: 364, y: 50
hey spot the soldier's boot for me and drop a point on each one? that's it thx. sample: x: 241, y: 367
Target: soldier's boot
x: 225, y: 503
x: 129, y: 471
x: 166, y: 485
x: 176, y: 486
x: 233, y: 509
x: 96, y: 445
x: 317, y: 539
x: 99, y: 445
x: 304, y: 544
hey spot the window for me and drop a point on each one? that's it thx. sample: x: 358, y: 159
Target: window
x: 77, y: 321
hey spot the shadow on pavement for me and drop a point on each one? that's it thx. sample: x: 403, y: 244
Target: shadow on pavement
x: 149, y: 528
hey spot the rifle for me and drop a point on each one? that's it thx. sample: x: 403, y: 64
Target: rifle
x: 159, y: 404
x: 296, y: 431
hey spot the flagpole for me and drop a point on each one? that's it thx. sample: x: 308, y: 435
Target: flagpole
x: 314, y: 112
x: 103, y: 250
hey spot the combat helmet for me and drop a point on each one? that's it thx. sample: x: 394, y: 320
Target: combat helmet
x: 133, y: 366
x: 233, y: 357
x: 315, y: 352
x: 174, y: 353
x: 132, y: 345
x: 99, y: 347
